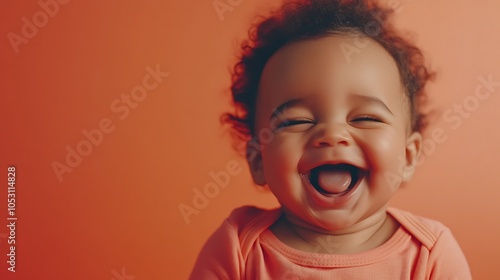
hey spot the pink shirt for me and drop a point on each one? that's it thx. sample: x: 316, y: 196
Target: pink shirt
x: 244, y: 248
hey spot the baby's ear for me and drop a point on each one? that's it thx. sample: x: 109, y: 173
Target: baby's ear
x: 254, y: 159
x: 413, y: 152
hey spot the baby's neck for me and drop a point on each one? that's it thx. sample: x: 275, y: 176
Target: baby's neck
x: 374, y: 231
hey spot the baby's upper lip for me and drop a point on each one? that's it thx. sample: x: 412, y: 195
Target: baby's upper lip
x: 333, y: 162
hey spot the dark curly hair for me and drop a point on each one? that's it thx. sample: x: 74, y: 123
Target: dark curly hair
x: 299, y: 20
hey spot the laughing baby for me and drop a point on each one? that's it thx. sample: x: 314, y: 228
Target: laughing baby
x: 328, y: 98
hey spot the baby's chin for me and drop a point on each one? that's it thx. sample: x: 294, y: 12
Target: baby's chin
x: 323, y: 221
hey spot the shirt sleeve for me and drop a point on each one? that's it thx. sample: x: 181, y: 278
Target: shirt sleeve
x: 220, y: 257
x: 447, y: 259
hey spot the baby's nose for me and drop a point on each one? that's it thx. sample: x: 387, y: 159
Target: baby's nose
x: 329, y: 135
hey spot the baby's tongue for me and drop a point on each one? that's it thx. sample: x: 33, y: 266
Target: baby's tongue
x: 334, y: 181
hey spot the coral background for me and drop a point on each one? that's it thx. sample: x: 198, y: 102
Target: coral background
x: 116, y: 214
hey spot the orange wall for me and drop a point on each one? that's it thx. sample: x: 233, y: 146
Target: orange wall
x: 116, y: 213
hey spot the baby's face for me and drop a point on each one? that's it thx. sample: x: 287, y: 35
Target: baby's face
x: 341, y: 142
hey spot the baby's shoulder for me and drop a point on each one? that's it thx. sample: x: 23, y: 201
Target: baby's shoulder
x: 426, y: 231
x: 244, y: 226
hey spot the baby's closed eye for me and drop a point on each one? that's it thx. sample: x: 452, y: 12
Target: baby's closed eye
x: 294, y: 122
x: 366, y: 118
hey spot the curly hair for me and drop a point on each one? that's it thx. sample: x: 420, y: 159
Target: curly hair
x: 303, y: 19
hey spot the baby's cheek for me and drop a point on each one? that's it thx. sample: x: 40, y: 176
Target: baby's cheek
x: 277, y: 159
x: 386, y: 158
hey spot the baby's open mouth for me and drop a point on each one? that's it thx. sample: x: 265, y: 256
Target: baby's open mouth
x: 335, y: 179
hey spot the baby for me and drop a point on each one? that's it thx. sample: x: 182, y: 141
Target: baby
x: 328, y: 99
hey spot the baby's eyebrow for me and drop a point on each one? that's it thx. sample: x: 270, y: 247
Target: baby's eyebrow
x: 372, y: 99
x: 290, y: 103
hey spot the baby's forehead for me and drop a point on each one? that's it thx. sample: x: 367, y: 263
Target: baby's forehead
x: 327, y: 64
x: 331, y: 52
